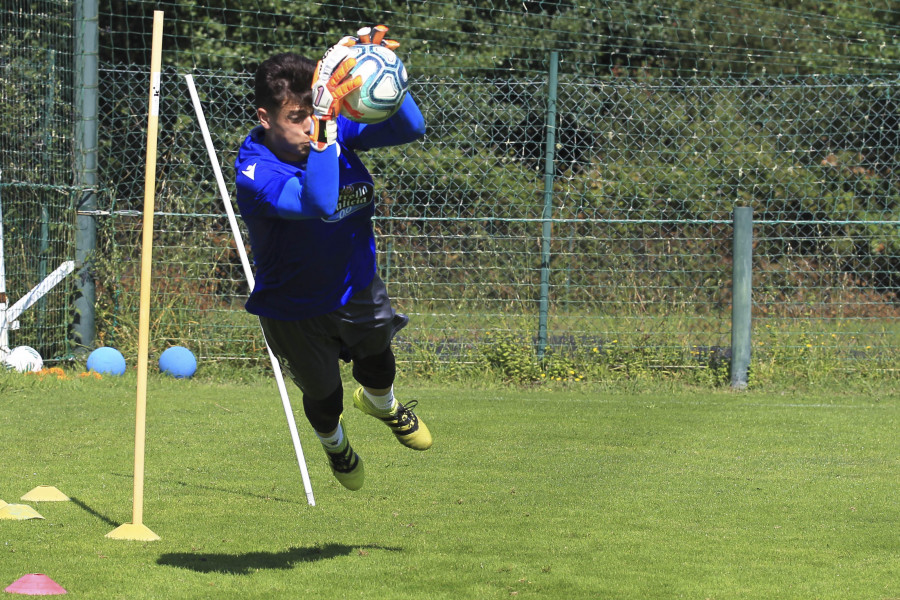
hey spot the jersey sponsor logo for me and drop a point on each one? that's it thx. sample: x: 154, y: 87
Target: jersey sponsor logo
x: 352, y: 198
x: 250, y: 171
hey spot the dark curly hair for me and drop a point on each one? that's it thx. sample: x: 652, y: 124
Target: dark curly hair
x: 282, y: 77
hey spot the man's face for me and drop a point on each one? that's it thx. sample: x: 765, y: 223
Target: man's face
x: 287, y: 130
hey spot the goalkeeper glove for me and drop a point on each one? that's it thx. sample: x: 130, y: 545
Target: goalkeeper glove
x: 322, y: 133
x: 328, y: 86
x: 375, y: 35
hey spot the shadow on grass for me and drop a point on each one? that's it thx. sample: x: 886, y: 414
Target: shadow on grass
x: 245, y: 564
x: 232, y: 491
x: 91, y: 511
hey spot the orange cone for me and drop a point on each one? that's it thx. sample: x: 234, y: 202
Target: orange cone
x: 35, y: 584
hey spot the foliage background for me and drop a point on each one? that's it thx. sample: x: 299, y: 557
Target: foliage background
x: 666, y: 118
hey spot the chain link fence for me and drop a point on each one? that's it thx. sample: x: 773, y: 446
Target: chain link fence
x: 614, y: 240
x: 37, y: 195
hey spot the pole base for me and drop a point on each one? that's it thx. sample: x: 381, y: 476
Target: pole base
x: 132, y: 531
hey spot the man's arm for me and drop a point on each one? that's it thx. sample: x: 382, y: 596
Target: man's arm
x: 405, y: 126
x: 316, y: 195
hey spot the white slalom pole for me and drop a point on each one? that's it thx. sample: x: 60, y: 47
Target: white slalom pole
x: 38, y: 291
x: 4, y: 301
x: 248, y: 272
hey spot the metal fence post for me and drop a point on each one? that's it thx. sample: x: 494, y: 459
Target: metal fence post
x: 86, y: 104
x: 547, y: 227
x: 741, y: 289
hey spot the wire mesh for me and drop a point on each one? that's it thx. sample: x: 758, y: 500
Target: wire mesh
x: 666, y: 118
x: 36, y: 192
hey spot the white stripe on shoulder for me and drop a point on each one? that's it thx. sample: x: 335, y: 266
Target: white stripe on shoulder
x: 250, y: 171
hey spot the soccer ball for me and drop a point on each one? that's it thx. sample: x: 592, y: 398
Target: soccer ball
x: 384, y: 84
x: 24, y: 358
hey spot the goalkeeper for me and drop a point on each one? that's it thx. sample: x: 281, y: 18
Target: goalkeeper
x: 308, y: 202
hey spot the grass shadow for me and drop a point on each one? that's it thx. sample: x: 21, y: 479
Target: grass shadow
x: 93, y: 512
x: 232, y: 491
x: 250, y: 562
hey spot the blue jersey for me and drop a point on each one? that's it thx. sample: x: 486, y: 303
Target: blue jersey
x: 310, y: 223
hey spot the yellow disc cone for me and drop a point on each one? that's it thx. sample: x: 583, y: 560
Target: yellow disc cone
x: 133, y: 531
x: 45, y: 493
x: 18, y: 512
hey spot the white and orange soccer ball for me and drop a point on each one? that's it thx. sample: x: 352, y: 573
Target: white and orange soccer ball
x: 24, y: 359
x: 384, y: 84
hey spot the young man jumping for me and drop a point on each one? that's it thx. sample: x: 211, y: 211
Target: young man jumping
x: 308, y: 202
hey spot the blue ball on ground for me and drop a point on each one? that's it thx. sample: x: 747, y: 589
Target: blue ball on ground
x: 106, y: 361
x: 178, y: 361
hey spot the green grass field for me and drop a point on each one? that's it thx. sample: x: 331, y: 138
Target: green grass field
x: 540, y: 493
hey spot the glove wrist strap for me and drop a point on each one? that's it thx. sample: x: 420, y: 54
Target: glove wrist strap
x: 322, y: 133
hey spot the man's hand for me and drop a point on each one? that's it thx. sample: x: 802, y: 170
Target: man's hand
x: 329, y: 87
x: 322, y: 133
x: 375, y: 35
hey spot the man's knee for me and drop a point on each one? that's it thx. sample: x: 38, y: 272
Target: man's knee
x: 376, y: 371
x: 324, y: 414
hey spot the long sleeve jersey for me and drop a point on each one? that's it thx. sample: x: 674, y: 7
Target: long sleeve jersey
x: 310, y: 223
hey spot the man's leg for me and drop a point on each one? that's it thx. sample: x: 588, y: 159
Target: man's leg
x: 309, y: 352
x: 325, y: 417
x: 376, y: 397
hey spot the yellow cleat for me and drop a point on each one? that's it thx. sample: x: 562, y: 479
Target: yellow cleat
x: 409, y: 429
x: 347, y: 466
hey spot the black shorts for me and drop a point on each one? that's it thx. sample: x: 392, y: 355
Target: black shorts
x: 310, y: 349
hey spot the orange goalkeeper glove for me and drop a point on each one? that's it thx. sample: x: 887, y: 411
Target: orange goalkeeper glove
x: 322, y: 133
x: 375, y: 35
x: 329, y: 86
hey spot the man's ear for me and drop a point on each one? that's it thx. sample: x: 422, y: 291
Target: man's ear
x: 264, y: 118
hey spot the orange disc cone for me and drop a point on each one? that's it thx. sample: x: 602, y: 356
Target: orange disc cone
x: 35, y: 584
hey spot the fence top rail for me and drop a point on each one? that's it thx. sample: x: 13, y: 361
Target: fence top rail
x: 136, y: 213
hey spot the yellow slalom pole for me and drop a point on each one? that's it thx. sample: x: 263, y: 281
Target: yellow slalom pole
x: 136, y: 530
